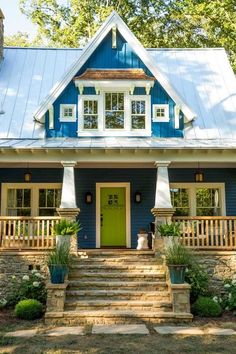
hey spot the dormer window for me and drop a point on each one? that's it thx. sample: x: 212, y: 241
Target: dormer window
x: 113, y: 109
x: 161, y: 113
x: 67, y: 113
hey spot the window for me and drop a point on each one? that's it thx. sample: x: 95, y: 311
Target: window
x: 90, y: 114
x: 180, y: 201
x: 30, y: 199
x: 67, y: 113
x: 18, y: 202
x: 114, y: 113
x: 160, y: 113
x: 198, y: 199
x: 114, y: 110
x: 138, y: 113
x: 49, y: 200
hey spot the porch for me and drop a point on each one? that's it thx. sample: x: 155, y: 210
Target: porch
x: 216, y: 233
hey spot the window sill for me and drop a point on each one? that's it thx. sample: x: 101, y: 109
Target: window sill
x: 138, y: 133
x: 66, y: 120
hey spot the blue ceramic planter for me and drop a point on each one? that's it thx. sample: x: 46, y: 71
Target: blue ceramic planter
x: 58, y: 273
x: 177, y: 273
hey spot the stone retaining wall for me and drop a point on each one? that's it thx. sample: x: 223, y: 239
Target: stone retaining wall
x: 219, y: 265
x: 19, y: 264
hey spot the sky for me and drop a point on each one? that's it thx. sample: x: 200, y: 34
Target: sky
x: 14, y: 20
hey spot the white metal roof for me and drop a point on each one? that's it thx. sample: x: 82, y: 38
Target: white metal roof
x: 203, y: 77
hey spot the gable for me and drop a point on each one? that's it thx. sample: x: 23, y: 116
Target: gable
x: 120, y: 60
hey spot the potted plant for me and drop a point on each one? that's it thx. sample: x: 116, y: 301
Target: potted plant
x: 178, y: 257
x: 168, y: 232
x: 64, y: 230
x: 58, y: 261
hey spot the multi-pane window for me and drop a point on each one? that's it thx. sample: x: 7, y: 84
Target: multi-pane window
x: 207, y: 202
x: 180, y: 201
x: 114, y: 110
x: 90, y: 114
x: 138, y: 114
x: 49, y: 200
x: 197, y: 199
x: 18, y: 202
x: 67, y: 112
x: 161, y: 113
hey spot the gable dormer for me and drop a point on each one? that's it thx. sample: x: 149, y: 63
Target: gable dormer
x: 116, y: 91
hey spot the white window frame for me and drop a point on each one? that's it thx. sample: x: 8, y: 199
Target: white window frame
x: 34, y: 187
x: 127, y: 130
x: 192, y: 187
x: 62, y: 118
x: 164, y: 119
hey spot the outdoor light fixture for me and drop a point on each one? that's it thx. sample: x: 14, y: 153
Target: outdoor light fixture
x: 88, y: 198
x: 27, y: 176
x: 199, y: 175
x: 137, y: 197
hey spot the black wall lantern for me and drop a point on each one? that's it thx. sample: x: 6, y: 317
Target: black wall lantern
x: 138, y: 197
x: 199, y: 175
x: 88, y: 198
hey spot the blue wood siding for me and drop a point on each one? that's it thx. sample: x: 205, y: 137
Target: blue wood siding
x: 142, y: 180
x: 104, y: 57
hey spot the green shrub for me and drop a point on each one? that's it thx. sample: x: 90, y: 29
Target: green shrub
x: 59, y: 256
x: 29, y: 286
x: 66, y: 227
x: 198, y: 278
x: 228, y: 300
x: 29, y: 309
x: 206, y: 307
x: 177, y: 254
x: 172, y: 229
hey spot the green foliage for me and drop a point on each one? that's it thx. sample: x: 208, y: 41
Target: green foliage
x: 31, y: 286
x: 59, y: 256
x: 22, y: 39
x: 198, y: 278
x: 159, y: 23
x: 206, y: 307
x: 29, y: 309
x: 66, y: 227
x: 172, y: 229
x: 228, y: 301
x: 177, y: 254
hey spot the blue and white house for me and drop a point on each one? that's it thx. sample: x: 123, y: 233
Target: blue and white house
x: 118, y: 134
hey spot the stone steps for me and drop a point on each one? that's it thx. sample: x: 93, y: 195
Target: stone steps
x: 90, y: 305
x: 135, y: 267
x: 118, y: 295
x: 114, y: 276
x: 116, y: 285
x: 115, y: 316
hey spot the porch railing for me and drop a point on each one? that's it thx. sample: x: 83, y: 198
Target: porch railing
x: 19, y: 232
x: 208, y: 232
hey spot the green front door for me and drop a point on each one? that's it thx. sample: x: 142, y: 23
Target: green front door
x: 113, y: 217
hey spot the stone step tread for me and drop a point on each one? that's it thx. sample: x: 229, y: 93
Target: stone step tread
x: 118, y: 259
x: 116, y: 267
x: 110, y: 313
x: 108, y: 292
x: 104, y: 303
x: 117, y: 283
x: 115, y: 252
x: 116, y: 275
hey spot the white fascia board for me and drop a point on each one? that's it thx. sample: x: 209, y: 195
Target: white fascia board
x: 112, y: 20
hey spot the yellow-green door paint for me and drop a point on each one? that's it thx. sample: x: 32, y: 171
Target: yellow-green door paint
x: 113, y: 216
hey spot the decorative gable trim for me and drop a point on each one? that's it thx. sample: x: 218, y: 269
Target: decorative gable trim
x: 114, y: 20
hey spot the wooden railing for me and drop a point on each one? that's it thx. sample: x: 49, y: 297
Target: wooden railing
x: 19, y: 232
x: 208, y: 232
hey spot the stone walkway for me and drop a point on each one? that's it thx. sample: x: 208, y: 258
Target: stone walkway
x: 123, y: 329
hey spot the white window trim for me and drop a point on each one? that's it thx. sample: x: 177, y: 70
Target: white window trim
x: 127, y: 131
x: 66, y: 119
x: 34, y: 187
x: 192, y: 194
x: 165, y: 119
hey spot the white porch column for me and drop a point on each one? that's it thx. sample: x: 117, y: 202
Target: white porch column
x: 68, y: 207
x: 163, y: 210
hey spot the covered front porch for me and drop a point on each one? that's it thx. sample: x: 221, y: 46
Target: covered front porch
x: 152, y: 190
